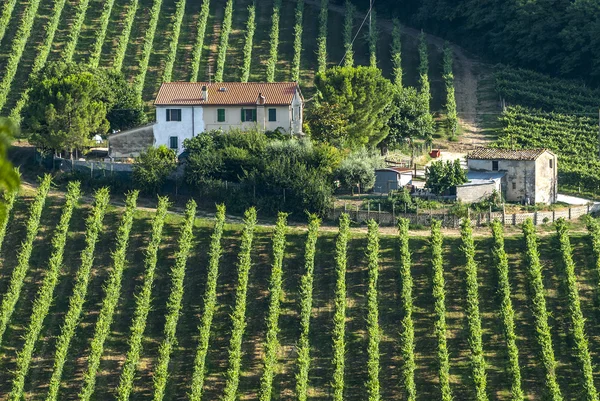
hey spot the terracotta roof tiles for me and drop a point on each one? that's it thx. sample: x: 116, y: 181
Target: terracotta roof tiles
x: 505, y: 154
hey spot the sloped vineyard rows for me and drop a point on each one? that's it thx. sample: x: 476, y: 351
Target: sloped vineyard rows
x: 248, y: 42
x: 224, y: 41
x: 298, y: 29
x: 339, y: 314
x: 273, y: 41
x: 407, y: 334
x: 176, y: 29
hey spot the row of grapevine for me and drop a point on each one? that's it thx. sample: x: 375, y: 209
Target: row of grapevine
x: 174, y: 34
x: 112, y: 291
x: 407, y: 335
x: 43, y: 300
x: 373, y: 331
x: 248, y: 43
x: 424, y: 69
x: 373, y: 34
x: 473, y: 317
x: 40, y: 59
x: 306, y: 301
x: 123, y: 40
x: 348, y: 35
x: 224, y: 41
x: 210, y: 303
x: 17, y: 49
x: 96, y: 50
x: 238, y: 316
x: 339, y: 314
x: 142, y: 306
x: 7, y: 11
x: 186, y: 239
x: 298, y: 29
x: 451, y: 117
x: 74, y: 30
x: 276, y: 292
x: 396, y: 49
x: 273, y: 41
x: 322, y: 38
x: 9, y: 300
x: 8, y: 202
x: 140, y: 78
x: 540, y: 314
x: 439, y: 295
x: 506, y: 310
x: 76, y: 301
x: 199, y: 45
x: 594, y: 229
x: 577, y: 319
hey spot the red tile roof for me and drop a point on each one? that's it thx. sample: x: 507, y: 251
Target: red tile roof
x: 225, y: 93
x: 505, y: 154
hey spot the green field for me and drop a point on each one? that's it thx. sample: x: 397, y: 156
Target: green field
x: 92, y: 25
x: 321, y: 370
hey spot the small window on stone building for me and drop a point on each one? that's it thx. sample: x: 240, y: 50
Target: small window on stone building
x: 494, y: 165
x: 173, y: 114
x: 514, y: 185
x: 272, y: 114
x: 551, y: 163
x: 221, y: 115
x: 174, y: 142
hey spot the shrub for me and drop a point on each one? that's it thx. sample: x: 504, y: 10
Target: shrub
x: 358, y: 170
x: 442, y: 177
x: 199, y: 45
x: 153, y: 166
x: 250, y: 28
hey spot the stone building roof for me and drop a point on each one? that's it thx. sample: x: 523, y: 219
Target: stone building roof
x: 506, y: 154
x: 226, y: 93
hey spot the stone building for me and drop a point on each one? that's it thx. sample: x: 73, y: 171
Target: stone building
x: 528, y: 175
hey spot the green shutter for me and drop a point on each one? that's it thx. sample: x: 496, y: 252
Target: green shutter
x: 253, y: 114
x: 243, y: 115
x: 221, y: 115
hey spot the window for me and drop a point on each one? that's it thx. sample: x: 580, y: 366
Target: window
x: 248, y: 115
x: 551, y: 163
x: 173, y: 114
x: 221, y: 115
x: 272, y: 114
x: 514, y: 185
x: 174, y: 142
x: 494, y: 165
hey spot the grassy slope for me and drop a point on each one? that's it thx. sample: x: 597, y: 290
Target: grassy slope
x: 320, y: 373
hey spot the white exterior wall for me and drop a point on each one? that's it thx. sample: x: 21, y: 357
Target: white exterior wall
x: 298, y: 114
x: 520, y: 173
x: 546, y: 178
x: 233, y: 118
x: 191, y: 124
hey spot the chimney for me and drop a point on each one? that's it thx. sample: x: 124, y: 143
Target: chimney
x: 204, y: 93
x: 261, y: 99
x: 260, y: 112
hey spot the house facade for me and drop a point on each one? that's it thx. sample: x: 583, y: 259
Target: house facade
x: 186, y: 109
x: 529, y: 175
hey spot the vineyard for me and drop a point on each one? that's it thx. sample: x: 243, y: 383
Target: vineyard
x: 152, y: 41
x: 128, y: 304
x: 557, y: 114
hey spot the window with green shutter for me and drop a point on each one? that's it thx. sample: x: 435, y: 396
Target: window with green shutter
x: 248, y: 115
x: 174, y: 143
x: 272, y: 114
x: 221, y: 115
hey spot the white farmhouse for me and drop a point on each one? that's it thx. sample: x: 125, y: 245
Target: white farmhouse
x: 186, y: 109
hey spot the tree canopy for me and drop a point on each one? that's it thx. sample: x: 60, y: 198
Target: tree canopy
x: 153, y: 166
x: 410, y: 118
x: 440, y: 176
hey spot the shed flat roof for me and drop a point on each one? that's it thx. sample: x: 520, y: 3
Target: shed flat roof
x: 482, y: 177
x: 505, y: 154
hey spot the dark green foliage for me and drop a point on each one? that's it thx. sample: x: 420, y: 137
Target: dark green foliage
x: 199, y: 45
x: 306, y: 302
x: 328, y: 123
x: 473, y: 316
x: 441, y: 176
x: 238, y: 315
x: 250, y: 28
x: 273, y: 41
x: 364, y: 96
x: 540, y: 313
x: 373, y: 312
x: 506, y: 310
x: 224, y: 41
x: 577, y: 320
x: 407, y: 335
x: 153, y: 166
x: 339, y: 314
x: 410, y: 120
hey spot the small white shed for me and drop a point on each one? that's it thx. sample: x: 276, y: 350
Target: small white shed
x: 391, y: 178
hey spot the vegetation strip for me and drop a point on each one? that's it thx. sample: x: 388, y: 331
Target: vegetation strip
x: 250, y: 28
x: 407, y: 335
x: 373, y: 34
x: 172, y: 54
x: 339, y: 314
x: 373, y: 312
x: 96, y: 51
x: 350, y: 10
x: 276, y: 292
x: 7, y: 11
x: 74, y: 31
x: 93, y: 228
x: 538, y: 303
x: 306, y: 301
x: 298, y: 29
x: 322, y: 38
x: 186, y: 239
x: 112, y: 292
x: 451, y: 117
x: 210, y: 304
x: 507, y: 311
x: 140, y: 78
x: 8, y: 198
x: 10, y: 298
x: 273, y: 41
x: 224, y: 41
x: 439, y: 295
x: 238, y: 316
x: 199, y: 45
x: 593, y: 227
x: 577, y: 319
x: 17, y: 49
x: 424, y: 70
x: 142, y: 307
x: 396, y: 49
x: 43, y: 300
x: 123, y: 40
x: 473, y: 316
x: 40, y: 59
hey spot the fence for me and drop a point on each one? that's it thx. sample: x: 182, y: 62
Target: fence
x: 96, y: 169
x: 452, y: 221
